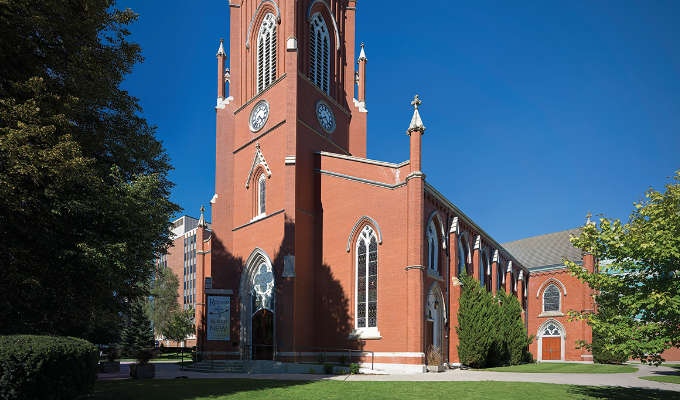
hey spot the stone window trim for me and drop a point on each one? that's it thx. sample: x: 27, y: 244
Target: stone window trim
x: 265, y: 52
x: 435, y: 237
x: 551, y: 293
x: 366, y: 274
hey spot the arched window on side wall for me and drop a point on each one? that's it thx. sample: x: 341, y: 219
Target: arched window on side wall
x: 266, y: 52
x: 262, y: 194
x: 319, y: 53
x: 367, y: 279
x: 432, y: 247
x: 551, y: 299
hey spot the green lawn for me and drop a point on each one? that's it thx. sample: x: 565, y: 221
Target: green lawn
x: 663, y: 378
x: 567, y: 368
x: 253, y: 389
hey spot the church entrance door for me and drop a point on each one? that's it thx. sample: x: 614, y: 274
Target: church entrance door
x: 552, y: 348
x: 263, y: 335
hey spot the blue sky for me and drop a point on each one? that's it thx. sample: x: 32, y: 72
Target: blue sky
x: 536, y: 112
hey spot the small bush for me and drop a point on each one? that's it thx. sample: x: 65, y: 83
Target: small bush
x: 46, y: 367
x: 354, y: 368
x: 328, y: 369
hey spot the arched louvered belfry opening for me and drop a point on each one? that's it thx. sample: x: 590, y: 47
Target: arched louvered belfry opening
x: 266, y: 52
x: 319, y: 53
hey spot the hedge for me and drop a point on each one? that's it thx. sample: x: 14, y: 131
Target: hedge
x: 46, y: 367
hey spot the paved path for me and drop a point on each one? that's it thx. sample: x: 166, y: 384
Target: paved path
x: 630, y: 380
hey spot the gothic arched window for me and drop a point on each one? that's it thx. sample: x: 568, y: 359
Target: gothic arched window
x: 432, y: 247
x: 551, y: 299
x: 319, y: 53
x: 262, y: 194
x: 462, y: 256
x: 266, y: 52
x: 367, y: 279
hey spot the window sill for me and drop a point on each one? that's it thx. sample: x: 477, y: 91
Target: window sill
x: 551, y: 314
x: 365, y: 333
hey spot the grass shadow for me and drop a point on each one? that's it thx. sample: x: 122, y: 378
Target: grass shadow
x: 182, y: 389
x: 621, y: 393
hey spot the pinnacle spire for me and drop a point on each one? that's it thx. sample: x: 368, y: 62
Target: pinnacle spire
x: 362, y: 54
x: 220, y: 51
x: 416, y: 122
x: 201, y: 219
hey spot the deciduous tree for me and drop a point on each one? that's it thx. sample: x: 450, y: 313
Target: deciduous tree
x: 638, y: 285
x: 84, y: 190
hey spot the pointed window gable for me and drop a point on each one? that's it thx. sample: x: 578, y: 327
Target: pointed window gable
x: 319, y: 53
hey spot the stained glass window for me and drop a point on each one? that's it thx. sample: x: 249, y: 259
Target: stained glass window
x: 551, y: 329
x: 261, y: 195
x: 551, y: 299
x: 367, y: 279
x: 432, y: 247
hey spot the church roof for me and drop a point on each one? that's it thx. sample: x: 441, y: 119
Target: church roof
x: 545, y: 251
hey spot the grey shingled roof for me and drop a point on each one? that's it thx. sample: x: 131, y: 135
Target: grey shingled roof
x: 545, y: 250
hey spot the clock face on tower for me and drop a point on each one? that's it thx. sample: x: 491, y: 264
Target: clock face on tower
x: 325, y: 116
x: 259, y: 115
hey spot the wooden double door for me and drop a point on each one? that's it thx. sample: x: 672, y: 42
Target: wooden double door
x: 552, y: 348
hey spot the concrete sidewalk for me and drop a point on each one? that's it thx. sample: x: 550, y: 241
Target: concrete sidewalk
x: 628, y: 380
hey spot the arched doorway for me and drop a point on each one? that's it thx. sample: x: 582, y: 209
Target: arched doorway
x: 551, y: 341
x: 435, y: 319
x: 257, y: 306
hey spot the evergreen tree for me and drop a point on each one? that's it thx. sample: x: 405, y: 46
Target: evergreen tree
x: 476, y: 333
x: 84, y: 190
x: 512, y: 331
x: 137, y: 336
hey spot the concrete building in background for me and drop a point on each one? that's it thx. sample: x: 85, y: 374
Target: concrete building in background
x: 189, y: 237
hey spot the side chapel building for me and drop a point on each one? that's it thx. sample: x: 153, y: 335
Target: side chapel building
x: 313, y: 247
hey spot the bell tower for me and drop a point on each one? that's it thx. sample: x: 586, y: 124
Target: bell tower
x: 286, y: 91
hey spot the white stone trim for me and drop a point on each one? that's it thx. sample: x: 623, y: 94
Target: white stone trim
x: 256, y: 13
x: 335, y: 24
x: 364, y: 160
x: 549, y: 281
x: 365, y: 333
x: 289, y: 160
x: 360, y: 105
x: 539, y: 336
x: 454, y: 226
x: 258, y: 159
x: 361, y: 220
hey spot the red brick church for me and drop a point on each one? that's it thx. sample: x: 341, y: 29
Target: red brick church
x: 313, y: 247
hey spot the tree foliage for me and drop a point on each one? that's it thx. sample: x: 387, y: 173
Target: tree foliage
x: 180, y: 325
x: 84, y: 190
x: 638, y: 287
x: 490, y: 328
x: 137, y: 336
x: 163, y: 299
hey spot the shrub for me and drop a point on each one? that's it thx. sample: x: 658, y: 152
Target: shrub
x: 490, y: 328
x: 328, y: 369
x: 476, y: 330
x: 46, y: 367
x: 354, y: 368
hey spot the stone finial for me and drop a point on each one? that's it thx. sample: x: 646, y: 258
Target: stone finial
x: 588, y: 222
x: 454, y: 226
x: 478, y: 243
x: 201, y: 219
x: 362, y: 53
x: 416, y: 122
x: 220, y: 51
x: 495, y: 256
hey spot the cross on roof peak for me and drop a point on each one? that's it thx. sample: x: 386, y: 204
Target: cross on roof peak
x: 416, y: 102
